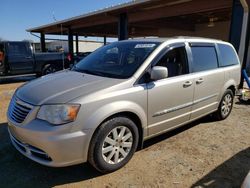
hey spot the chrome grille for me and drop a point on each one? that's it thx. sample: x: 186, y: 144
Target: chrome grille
x: 18, y: 110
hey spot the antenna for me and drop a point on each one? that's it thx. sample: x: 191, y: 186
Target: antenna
x: 54, y: 18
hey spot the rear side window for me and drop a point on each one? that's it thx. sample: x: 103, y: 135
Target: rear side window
x: 228, y: 55
x: 18, y: 49
x: 204, y: 58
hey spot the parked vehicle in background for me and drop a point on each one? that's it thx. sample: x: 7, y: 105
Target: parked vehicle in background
x: 18, y: 58
x: 81, y: 55
x: 122, y: 94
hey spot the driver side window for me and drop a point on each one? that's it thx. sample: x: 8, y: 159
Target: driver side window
x: 176, y: 62
x: 111, y: 57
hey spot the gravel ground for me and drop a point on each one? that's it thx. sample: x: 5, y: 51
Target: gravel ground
x: 203, y: 154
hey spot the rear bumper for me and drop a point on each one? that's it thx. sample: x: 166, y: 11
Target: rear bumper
x: 51, y: 148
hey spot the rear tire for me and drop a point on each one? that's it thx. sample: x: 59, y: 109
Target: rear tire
x: 113, y: 144
x: 226, y: 105
x: 48, y: 69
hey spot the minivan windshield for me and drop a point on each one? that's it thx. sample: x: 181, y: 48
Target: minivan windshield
x: 116, y: 60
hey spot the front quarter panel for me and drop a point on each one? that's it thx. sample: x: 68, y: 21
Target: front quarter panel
x: 100, y: 106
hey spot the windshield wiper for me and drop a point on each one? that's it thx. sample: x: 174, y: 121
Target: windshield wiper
x: 89, y: 72
x: 97, y: 73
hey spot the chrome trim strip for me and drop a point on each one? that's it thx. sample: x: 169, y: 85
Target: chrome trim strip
x: 205, y: 98
x: 17, y: 112
x: 166, y: 111
x: 18, y: 101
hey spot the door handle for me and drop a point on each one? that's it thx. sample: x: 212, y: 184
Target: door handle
x: 28, y: 57
x: 199, y: 81
x: 187, y: 84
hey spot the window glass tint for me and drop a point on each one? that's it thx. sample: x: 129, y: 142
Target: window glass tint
x: 228, y: 55
x: 117, y: 60
x: 204, y: 58
x: 18, y: 49
x: 176, y: 62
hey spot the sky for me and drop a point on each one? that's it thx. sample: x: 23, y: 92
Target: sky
x: 19, y: 15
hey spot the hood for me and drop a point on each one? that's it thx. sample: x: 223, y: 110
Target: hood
x: 62, y: 87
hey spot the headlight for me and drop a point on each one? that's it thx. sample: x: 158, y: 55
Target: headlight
x: 58, y: 114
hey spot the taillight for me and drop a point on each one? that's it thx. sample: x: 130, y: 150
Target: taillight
x: 1, y: 58
x: 69, y: 57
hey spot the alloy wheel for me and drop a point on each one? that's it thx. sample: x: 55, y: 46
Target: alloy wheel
x: 227, y: 104
x: 117, y: 145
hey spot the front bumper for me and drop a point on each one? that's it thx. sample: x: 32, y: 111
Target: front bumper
x: 50, y: 145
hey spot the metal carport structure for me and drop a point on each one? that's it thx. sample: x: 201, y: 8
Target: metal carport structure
x: 222, y: 19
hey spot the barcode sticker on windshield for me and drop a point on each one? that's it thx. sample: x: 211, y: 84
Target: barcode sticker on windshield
x: 145, y: 46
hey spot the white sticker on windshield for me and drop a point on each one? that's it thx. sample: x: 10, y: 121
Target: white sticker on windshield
x: 145, y: 46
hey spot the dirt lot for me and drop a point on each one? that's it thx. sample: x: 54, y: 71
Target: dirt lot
x: 202, y: 154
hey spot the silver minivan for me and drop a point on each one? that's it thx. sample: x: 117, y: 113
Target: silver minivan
x: 107, y: 105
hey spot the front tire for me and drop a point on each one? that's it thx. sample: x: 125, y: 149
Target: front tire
x: 226, y: 105
x: 113, y: 144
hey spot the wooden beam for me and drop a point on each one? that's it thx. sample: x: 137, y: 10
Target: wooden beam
x: 123, y: 27
x: 94, y: 22
x: 175, y: 24
x: 139, y: 32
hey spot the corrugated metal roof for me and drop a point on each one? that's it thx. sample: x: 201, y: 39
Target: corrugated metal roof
x: 107, y: 9
x: 145, y: 18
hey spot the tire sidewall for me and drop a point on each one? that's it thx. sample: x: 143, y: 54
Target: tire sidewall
x: 102, y: 133
x: 222, y: 117
x: 46, y: 67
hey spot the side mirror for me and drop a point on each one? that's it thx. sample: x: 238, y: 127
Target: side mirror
x: 158, y: 73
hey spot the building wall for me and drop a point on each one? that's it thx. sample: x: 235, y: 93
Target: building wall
x: 84, y: 46
x: 87, y: 46
x: 219, y: 31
